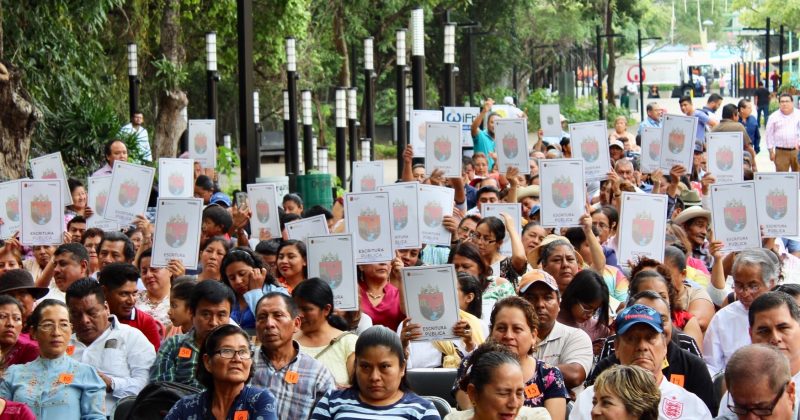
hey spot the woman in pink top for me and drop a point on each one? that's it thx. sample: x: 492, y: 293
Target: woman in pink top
x: 381, y: 300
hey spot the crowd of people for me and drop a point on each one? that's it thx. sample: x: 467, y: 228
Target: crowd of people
x: 556, y: 328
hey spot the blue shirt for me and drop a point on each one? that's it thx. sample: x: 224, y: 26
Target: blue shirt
x: 702, y: 119
x: 243, y: 317
x: 60, y: 388
x: 345, y: 404
x: 258, y: 403
x: 484, y: 144
x: 751, y: 126
x: 649, y: 122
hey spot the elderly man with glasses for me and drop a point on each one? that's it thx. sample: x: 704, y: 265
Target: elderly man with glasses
x: 760, y: 384
x: 755, y: 271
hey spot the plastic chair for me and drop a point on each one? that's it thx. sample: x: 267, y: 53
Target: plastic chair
x: 441, y: 405
x: 434, y: 382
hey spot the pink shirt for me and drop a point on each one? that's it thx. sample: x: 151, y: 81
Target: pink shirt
x: 24, y: 351
x: 783, y: 130
x: 388, y: 312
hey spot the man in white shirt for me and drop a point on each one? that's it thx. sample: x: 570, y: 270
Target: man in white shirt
x: 142, y: 139
x: 641, y: 341
x: 760, y: 385
x: 775, y: 321
x: 121, y: 354
x: 755, y: 271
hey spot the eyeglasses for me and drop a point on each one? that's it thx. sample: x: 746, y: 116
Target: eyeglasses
x: 588, y: 311
x: 49, y: 327
x: 244, y: 354
x: 475, y: 236
x: 601, y: 225
x: 758, y: 411
x: 752, y: 287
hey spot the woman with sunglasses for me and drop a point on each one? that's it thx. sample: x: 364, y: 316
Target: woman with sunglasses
x: 226, y: 365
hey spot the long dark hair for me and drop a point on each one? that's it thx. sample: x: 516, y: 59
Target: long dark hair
x: 318, y: 293
x: 245, y: 255
x: 470, y: 251
x: 483, y: 361
x: 301, y: 248
x: 375, y: 336
x: 496, y: 226
x: 210, y: 347
x: 587, y: 286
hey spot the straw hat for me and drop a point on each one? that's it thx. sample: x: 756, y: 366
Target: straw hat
x: 529, y: 191
x: 690, y: 213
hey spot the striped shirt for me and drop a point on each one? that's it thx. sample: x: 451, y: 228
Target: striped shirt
x: 783, y: 130
x: 346, y: 405
x: 296, y: 387
x: 177, y: 361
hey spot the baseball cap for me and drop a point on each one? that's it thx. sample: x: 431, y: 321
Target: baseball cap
x: 535, y: 209
x: 534, y: 276
x: 616, y: 143
x: 638, y: 314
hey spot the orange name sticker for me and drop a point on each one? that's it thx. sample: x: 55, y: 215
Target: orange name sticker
x: 70, y: 350
x: 291, y: 377
x: 185, y: 353
x: 241, y: 415
x: 677, y: 380
x: 532, y: 391
x: 66, y: 378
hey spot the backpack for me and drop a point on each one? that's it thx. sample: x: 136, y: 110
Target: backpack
x: 157, y: 398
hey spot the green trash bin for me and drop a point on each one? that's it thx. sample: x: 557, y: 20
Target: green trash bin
x: 316, y: 190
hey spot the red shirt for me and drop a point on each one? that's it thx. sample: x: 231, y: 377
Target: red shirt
x: 17, y: 411
x: 25, y: 350
x: 388, y: 312
x: 146, y: 324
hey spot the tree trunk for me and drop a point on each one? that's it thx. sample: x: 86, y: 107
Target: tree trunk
x: 18, y: 118
x: 612, y: 63
x: 341, y: 44
x: 169, y: 123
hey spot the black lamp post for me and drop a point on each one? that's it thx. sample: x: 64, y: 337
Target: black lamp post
x: 352, y: 124
x: 400, y: 93
x: 248, y: 146
x: 308, y: 132
x: 291, y: 79
x: 341, y: 126
x: 369, y: 96
x: 598, y: 39
x: 418, y: 57
x: 449, y: 98
x: 133, y: 79
x: 211, y: 75
x: 639, y: 40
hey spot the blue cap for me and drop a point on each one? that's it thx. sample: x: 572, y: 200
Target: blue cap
x: 535, y: 209
x: 638, y: 314
x: 220, y: 198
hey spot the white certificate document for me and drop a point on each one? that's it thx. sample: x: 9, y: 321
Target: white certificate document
x: 367, y: 176
x: 417, y: 128
x: 734, y: 217
x: 129, y: 192
x: 550, y: 120
x: 443, y: 148
x: 367, y: 218
x: 777, y: 202
x: 434, y: 203
x: 42, y: 212
x: 175, y: 178
x: 99, y: 187
x: 309, y: 226
x: 177, y: 231
x: 52, y: 167
x: 512, y: 209
x: 403, y: 201
x: 563, y: 192
x: 331, y: 258
x: 263, y: 202
x: 511, y: 144
x: 642, y: 227
x: 431, y: 300
x: 590, y: 141
x: 677, y: 141
x: 9, y: 199
x: 724, y: 154
x: 651, y: 149
x: 203, y: 142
